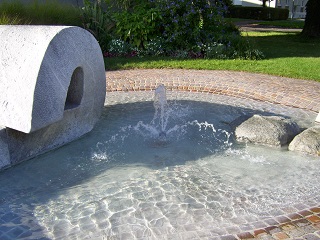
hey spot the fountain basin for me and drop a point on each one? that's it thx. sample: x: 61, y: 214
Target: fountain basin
x: 118, y: 182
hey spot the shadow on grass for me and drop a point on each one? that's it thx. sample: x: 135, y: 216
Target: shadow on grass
x: 280, y: 45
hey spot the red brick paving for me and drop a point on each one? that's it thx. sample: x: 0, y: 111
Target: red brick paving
x: 302, y: 94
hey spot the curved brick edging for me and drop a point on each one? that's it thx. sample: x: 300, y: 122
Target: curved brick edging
x: 302, y: 94
x: 297, y: 222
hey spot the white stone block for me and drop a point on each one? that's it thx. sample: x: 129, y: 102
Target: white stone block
x: 53, y: 88
x: 37, y: 65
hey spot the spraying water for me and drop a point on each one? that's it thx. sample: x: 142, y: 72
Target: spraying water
x: 160, y: 104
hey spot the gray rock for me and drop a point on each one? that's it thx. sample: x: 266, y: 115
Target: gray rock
x: 267, y: 130
x: 307, y: 142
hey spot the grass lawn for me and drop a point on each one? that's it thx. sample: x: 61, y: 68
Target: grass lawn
x: 284, y: 23
x: 287, y: 54
x: 289, y: 23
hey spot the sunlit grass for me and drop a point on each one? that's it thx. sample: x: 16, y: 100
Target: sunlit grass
x: 294, y: 23
x: 287, y: 54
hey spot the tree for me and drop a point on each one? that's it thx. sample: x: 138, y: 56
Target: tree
x: 264, y: 2
x: 312, y: 22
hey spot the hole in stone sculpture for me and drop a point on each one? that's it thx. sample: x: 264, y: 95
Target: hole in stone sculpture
x: 75, y: 90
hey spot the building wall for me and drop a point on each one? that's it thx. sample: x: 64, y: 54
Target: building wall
x: 297, y: 8
x: 252, y: 3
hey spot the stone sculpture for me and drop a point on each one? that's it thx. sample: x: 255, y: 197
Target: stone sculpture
x: 53, y: 88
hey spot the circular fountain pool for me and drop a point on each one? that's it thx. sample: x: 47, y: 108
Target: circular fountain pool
x: 173, y: 173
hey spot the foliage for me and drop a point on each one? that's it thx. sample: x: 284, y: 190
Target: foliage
x: 45, y: 13
x: 188, y: 29
x: 186, y: 24
x: 259, y: 13
x: 312, y: 22
x: 117, y: 47
x: 154, y: 47
x: 139, y: 26
x: 124, y: 5
x: 10, y: 20
x: 97, y: 21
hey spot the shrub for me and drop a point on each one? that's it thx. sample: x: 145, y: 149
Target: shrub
x: 259, y: 13
x: 155, y: 47
x: 177, y: 28
x: 117, y: 47
x: 46, y: 13
x: 97, y: 21
x: 138, y: 27
x: 189, y: 23
x: 10, y: 20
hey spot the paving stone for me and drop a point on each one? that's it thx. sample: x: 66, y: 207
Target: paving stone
x: 280, y: 235
x: 283, y: 219
x: 311, y: 236
x: 228, y: 237
x: 314, y: 219
x: 315, y: 209
x: 245, y: 235
x: 272, y: 229
x: 259, y: 232
x: 265, y: 237
x: 305, y: 213
x: 271, y: 221
x: 293, y: 233
x: 301, y: 222
x: 287, y: 227
x: 308, y: 229
x: 294, y: 216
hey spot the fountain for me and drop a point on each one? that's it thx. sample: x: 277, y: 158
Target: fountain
x: 162, y: 164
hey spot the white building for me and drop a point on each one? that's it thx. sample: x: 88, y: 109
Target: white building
x: 297, y: 8
x: 253, y: 3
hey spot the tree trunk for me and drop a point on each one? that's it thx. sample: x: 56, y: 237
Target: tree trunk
x: 312, y: 22
x: 264, y: 3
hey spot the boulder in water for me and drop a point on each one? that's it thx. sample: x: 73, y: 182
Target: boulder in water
x: 267, y: 130
x: 307, y: 142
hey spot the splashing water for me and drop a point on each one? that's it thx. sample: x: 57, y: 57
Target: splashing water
x: 160, y: 104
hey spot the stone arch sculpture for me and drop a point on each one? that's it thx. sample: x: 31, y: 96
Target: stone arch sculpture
x: 53, y: 86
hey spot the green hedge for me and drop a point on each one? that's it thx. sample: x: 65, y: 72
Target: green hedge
x: 259, y: 13
x: 49, y: 12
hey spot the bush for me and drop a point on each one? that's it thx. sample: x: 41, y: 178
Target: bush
x: 259, y: 13
x: 97, y: 21
x: 138, y: 27
x: 186, y: 24
x: 46, y: 13
x: 119, y: 48
x: 10, y: 19
x: 177, y: 28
